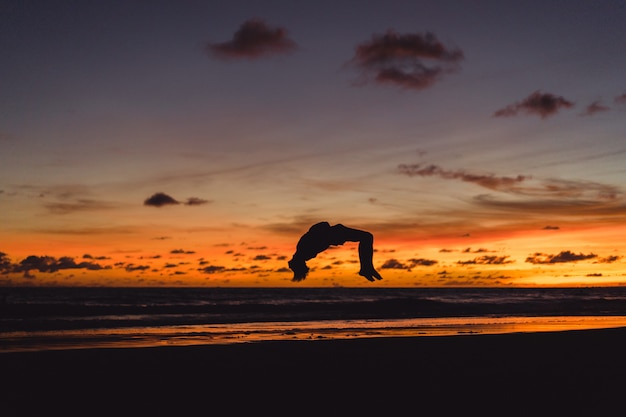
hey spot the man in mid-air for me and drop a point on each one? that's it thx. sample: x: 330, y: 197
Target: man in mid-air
x: 321, y: 236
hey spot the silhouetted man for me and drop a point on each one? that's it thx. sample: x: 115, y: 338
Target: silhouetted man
x: 321, y: 236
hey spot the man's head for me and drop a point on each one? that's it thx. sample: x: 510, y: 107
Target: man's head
x: 299, y: 268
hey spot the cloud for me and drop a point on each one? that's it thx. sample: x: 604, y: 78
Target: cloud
x: 133, y: 267
x: 195, y: 201
x: 253, y: 39
x: 551, y: 228
x: 489, y: 181
x: 594, y: 108
x: 561, y: 257
x: 487, y: 260
x: 410, y: 264
x: 543, y: 194
x: 78, y: 205
x: 413, y: 60
x: 393, y: 264
x: 567, y: 196
x: 538, y: 103
x: 621, y: 99
x: 609, y: 259
x: 212, y: 269
x: 479, y: 250
x: 101, y: 258
x: 413, y: 262
x: 5, y: 263
x: 47, y: 264
x: 182, y: 251
x: 160, y: 200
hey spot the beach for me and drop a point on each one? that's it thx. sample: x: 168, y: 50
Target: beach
x: 549, y: 373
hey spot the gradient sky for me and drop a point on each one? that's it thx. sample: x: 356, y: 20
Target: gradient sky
x: 193, y: 142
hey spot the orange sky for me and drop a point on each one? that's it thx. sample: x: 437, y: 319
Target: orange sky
x: 481, y: 147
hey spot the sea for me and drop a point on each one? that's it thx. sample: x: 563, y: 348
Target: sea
x: 35, y: 319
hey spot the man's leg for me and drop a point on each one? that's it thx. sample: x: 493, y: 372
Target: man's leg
x: 366, y: 249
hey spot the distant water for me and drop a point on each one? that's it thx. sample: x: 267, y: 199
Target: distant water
x: 54, y: 318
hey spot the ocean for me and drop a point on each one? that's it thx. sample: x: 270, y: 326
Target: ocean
x: 70, y: 318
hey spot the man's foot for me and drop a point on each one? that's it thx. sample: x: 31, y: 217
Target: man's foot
x: 370, y: 274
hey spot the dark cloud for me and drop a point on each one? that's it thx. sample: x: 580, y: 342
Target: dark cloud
x: 562, y: 257
x: 609, y: 259
x: 182, y: 251
x: 160, y: 200
x: 413, y: 262
x: 594, y: 108
x: 48, y: 264
x: 410, y: 264
x: 621, y: 99
x: 261, y: 258
x: 5, y: 263
x: 594, y: 275
x: 489, y: 181
x: 253, y: 39
x: 487, y: 260
x: 551, y: 228
x: 195, y: 201
x: 413, y: 60
x: 212, y: 269
x: 133, y: 267
x: 479, y: 250
x: 393, y: 264
x: 538, y: 103
x: 99, y: 258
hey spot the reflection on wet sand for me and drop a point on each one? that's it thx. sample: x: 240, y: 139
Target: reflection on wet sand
x: 184, y: 335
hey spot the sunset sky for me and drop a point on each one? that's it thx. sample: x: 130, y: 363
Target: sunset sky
x: 193, y: 142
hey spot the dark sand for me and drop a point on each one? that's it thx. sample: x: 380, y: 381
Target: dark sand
x: 552, y: 374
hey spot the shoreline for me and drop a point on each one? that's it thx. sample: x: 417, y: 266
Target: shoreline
x: 574, y: 372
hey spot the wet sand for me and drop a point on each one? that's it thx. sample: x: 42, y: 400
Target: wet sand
x: 559, y: 373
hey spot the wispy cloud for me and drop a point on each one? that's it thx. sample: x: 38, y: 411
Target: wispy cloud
x: 489, y: 181
x: 253, y: 39
x: 196, y: 201
x: 538, y: 103
x: 561, y: 257
x: 621, y: 99
x: 522, y: 185
x: 80, y: 205
x: 594, y: 108
x: 413, y: 60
